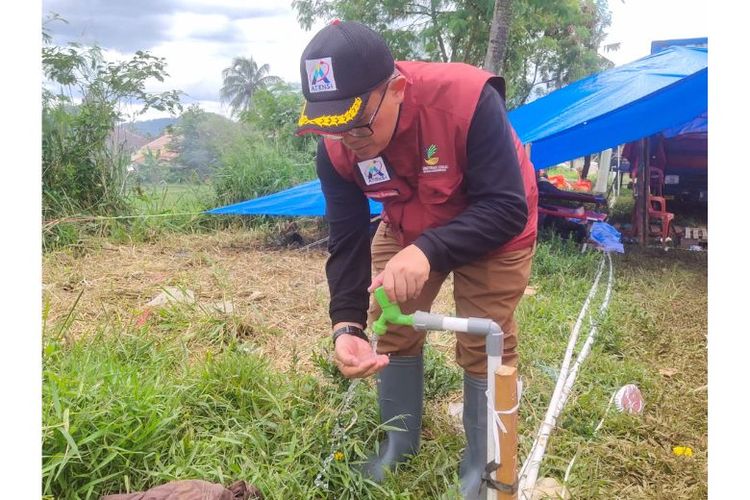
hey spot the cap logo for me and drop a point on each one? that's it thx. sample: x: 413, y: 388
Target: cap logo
x: 373, y: 171
x: 320, y: 75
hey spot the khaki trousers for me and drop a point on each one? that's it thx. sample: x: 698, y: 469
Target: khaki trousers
x: 490, y: 287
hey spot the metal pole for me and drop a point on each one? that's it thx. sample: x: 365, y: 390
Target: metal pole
x: 641, y: 206
x: 618, y: 177
x: 646, y: 188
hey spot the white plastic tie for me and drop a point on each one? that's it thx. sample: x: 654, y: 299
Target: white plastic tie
x: 496, y: 416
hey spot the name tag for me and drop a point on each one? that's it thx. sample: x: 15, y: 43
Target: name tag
x: 373, y: 171
x: 380, y: 195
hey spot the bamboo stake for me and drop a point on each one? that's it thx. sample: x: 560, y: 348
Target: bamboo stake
x: 506, y: 398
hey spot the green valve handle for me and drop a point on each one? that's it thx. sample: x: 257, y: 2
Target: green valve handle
x: 391, y: 313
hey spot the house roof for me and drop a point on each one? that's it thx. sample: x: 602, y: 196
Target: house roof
x: 159, y: 146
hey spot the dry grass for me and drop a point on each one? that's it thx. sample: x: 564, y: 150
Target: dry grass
x: 664, y: 308
x: 280, y: 296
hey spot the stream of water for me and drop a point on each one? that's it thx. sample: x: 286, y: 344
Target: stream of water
x: 338, y: 436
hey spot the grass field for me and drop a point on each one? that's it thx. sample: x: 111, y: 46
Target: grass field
x: 174, y: 196
x: 136, y: 396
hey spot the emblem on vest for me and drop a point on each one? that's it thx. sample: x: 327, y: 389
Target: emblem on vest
x: 431, y: 159
x: 373, y: 171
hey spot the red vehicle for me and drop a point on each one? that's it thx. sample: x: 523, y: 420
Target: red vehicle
x: 686, y: 168
x: 679, y: 166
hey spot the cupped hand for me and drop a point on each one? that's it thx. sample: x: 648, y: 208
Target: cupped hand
x: 355, y: 358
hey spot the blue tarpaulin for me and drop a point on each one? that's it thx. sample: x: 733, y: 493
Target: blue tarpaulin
x: 666, y: 90
x: 636, y: 100
x: 303, y: 200
x: 698, y: 125
x: 659, y: 45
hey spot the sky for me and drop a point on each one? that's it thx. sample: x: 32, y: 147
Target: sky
x: 199, y: 38
x: 635, y: 23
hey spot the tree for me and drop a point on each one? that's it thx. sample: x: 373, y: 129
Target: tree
x: 499, y: 29
x: 80, y: 107
x: 275, y: 112
x: 548, y: 45
x: 241, y: 80
x: 552, y: 44
x: 199, y: 138
x: 435, y: 30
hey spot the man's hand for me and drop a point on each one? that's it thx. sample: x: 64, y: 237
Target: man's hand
x: 404, y: 275
x: 355, y: 358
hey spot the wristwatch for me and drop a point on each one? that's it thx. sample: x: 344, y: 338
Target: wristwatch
x: 350, y: 330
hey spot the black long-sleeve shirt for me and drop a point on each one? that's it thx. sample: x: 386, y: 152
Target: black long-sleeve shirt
x: 496, y: 213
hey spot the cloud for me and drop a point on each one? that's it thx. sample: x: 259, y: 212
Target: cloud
x: 141, y: 24
x: 197, y: 38
x: 202, y: 91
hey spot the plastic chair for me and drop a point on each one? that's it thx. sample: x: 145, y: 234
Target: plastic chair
x: 657, y: 181
x: 657, y: 209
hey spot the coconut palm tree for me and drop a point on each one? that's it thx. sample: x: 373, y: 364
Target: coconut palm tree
x: 241, y: 80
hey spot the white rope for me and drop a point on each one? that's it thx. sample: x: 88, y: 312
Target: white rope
x: 496, y: 416
x: 530, y: 469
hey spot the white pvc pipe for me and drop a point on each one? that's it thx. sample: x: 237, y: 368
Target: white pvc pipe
x: 573, y: 460
x: 456, y: 324
x: 493, y: 443
x: 586, y: 349
x: 530, y: 468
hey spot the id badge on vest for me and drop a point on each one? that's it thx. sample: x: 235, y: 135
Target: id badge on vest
x: 378, y: 181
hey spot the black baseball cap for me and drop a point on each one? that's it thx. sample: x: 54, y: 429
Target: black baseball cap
x: 341, y: 65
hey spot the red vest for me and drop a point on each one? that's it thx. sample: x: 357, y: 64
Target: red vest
x: 419, y: 176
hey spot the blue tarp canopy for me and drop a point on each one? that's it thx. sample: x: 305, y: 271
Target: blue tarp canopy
x: 698, y: 125
x: 302, y: 200
x: 620, y: 105
x: 666, y: 90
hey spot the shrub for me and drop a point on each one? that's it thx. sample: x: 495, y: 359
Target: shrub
x: 80, y: 171
x: 252, y: 167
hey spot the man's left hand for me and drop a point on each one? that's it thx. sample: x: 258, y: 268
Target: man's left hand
x: 404, y: 275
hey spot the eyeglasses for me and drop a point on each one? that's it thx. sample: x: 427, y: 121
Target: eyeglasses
x: 363, y: 130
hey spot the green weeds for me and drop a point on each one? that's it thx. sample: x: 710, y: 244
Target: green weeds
x: 189, y: 394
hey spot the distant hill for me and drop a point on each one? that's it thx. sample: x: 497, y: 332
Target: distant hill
x: 190, y: 150
x: 123, y: 137
x: 152, y: 128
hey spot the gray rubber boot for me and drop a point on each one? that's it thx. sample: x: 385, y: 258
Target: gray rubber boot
x: 474, y: 459
x: 400, y: 395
